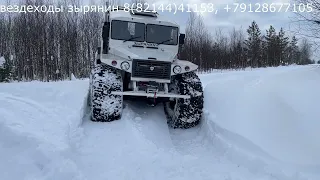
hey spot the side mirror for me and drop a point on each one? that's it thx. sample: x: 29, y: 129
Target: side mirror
x: 105, y: 30
x: 181, y: 38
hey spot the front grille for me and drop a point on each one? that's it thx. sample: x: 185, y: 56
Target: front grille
x: 151, y: 69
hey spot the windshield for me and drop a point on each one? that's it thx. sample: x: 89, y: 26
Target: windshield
x: 162, y: 34
x: 134, y: 31
x: 126, y: 30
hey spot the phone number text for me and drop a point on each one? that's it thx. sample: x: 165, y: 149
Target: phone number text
x: 171, y: 7
x: 213, y: 8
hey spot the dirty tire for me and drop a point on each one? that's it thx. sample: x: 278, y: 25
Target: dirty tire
x: 185, y: 113
x: 105, y: 107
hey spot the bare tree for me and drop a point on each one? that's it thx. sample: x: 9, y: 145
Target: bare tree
x: 307, y: 23
x: 305, y: 52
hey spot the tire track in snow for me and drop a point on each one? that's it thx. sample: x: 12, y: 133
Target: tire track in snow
x: 25, y: 101
x: 151, y: 123
x: 23, y: 114
x: 118, y: 146
x: 218, y: 149
x: 124, y: 148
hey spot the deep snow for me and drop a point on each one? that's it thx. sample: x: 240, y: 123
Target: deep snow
x: 260, y: 125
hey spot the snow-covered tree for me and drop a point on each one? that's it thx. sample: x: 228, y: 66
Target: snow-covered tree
x: 282, y: 44
x: 293, y: 51
x: 5, y: 70
x: 271, y: 43
x: 253, y: 45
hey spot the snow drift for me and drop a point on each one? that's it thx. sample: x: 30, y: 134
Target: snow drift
x: 276, y: 110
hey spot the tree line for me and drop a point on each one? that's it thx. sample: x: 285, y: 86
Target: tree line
x: 48, y: 46
x: 238, y: 49
x: 53, y: 46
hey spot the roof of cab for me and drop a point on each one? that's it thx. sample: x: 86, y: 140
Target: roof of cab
x: 142, y: 17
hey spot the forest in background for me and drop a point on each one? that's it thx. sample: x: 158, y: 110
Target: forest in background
x: 54, y: 46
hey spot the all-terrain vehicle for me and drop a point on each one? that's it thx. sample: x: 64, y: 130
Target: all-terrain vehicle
x: 137, y: 57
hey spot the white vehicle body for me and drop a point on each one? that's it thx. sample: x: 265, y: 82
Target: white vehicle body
x: 144, y: 59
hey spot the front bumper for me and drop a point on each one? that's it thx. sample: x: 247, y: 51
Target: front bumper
x: 182, y: 63
x: 150, y: 95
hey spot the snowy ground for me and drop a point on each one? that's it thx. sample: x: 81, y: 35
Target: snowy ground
x: 258, y: 125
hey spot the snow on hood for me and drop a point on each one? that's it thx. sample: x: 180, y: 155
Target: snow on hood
x: 165, y: 53
x: 145, y: 53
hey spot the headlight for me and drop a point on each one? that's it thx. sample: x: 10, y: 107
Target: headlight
x: 177, y: 69
x: 187, y: 68
x: 125, y: 65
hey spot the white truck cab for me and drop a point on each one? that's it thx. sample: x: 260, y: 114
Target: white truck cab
x: 143, y: 44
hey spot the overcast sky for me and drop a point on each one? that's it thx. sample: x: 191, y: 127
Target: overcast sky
x: 228, y: 20
x: 223, y: 20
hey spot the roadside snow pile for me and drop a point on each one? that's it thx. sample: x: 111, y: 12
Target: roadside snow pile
x: 73, y: 78
x: 2, y: 61
x: 38, y: 122
x: 247, y: 69
x: 276, y: 110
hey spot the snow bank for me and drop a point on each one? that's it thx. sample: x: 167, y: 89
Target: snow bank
x: 211, y: 71
x: 278, y: 110
x: 38, y: 129
x: 73, y: 78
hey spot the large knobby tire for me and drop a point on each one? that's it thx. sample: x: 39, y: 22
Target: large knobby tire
x: 185, y: 113
x: 105, y: 107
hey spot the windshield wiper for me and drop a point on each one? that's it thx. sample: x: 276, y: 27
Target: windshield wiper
x: 132, y: 38
x: 165, y: 41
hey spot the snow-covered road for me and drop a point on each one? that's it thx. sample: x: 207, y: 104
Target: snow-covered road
x: 258, y: 125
